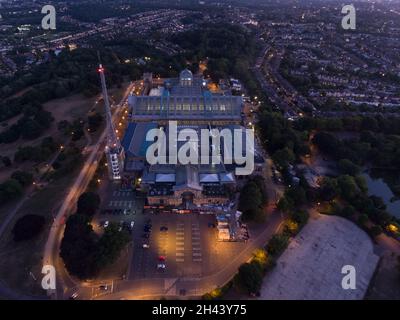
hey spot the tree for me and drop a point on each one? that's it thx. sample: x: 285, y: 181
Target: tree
x: 110, y: 245
x: 94, y: 121
x: 282, y: 158
x: 78, y: 247
x: 329, y: 189
x: 348, y: 211
x: 300, y: 216
x: 277, y: 244
x: 250, y: 277
x: 346, y: 166
x: 23, y: 177
x: 326, y: 142
x: 10, y: 189
x: 362, y: 219
x: 260, y: 182
x: 88, y: 203
x: 250, y: 201
x: 297, y: 194
x: 27, y: 227
x: 348, y: 187
x: 285, y: 204
x: 6, y: 161
x: 375, y: 230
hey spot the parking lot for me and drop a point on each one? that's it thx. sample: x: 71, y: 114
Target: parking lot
x: 186, y: 244
x: 165, y: 244
x: 122, y: 207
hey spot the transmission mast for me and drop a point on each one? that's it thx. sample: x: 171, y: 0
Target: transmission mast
x: 114, y: 151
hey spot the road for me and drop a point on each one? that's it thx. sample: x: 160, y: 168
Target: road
x: 52, y: 246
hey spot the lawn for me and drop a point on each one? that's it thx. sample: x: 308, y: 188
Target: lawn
x: 20, y: 263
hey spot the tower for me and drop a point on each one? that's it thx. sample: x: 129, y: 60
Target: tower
x: 114, y: 151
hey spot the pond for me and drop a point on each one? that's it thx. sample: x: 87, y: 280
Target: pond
x: 378, y: 187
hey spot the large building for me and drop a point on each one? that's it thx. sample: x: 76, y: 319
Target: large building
x: 187, y: 101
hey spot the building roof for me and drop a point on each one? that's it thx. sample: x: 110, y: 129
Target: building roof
x: 165, y: 177
x: 185, y: 97
x: 134, y: 141
x: 186, y: 74
x: 209, y: 177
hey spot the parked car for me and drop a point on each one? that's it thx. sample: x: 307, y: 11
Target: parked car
x: 160, y: 266
x: 132, y: 224
x: 106, y: 224
x: 146, y: 246
x: 163, y: 228
x: 74, y: 296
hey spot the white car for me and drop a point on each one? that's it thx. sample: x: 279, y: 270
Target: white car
x: 146, y: 246
x: 74, y: 296
x: 106, y: 224
x: 132, y: 224
x: 161, y: 266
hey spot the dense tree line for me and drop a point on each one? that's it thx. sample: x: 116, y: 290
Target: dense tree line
x: 378, y: 149
x: 253, y: 198
x: 353, y: 190
x: 230, y: 51
x: 67, y: 161
x: 38, y: 153
x: 281, y: 139
x: 30, y: 126
x: 84, y: 252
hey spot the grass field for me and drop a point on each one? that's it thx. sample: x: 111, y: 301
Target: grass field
x: 17, y: 260
x: 20, y: 263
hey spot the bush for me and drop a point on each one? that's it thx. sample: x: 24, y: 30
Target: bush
x: 10, y: 190
x: 277, y: 244
x: 375, y: 231
x: 24, y: 178
x: 250, y: 277
x: 291, y: 227
x: 300, y: 217
x: 251, y: 202
x: 28, y: 227
x: 6, y: 161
